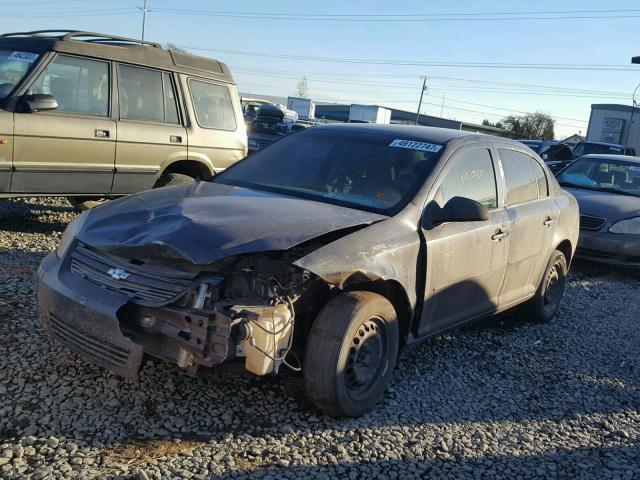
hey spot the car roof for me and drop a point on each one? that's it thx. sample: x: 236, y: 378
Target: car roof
x: 414, y: 132
x: 122, y: 49
x: 604, y: 156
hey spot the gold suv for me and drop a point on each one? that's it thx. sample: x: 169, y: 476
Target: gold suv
x: 92, y: 116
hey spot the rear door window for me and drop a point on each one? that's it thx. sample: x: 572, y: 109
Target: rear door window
x: 470, y: 174
x: 212, y: 104
x: 79, y: 85
x: 522, y: 182
x: 541, y: 179
x: 146, y: 94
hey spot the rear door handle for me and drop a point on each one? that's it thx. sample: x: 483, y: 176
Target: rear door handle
x: 175, y: 139
x: 499, y: 235
x: 548, y: 221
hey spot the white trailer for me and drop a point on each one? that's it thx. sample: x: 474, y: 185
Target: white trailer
x: 369, y: 114
x: 303, y: 106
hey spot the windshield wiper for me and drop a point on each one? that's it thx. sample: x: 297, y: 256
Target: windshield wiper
x: 615, y: 190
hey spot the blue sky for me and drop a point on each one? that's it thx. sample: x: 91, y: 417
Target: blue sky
x: 471, y: 94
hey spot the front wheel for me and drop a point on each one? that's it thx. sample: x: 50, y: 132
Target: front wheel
x: 546, y: 302
x: 351, y: 353
x: 86, y: 203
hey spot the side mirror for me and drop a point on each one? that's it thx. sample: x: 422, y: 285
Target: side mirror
x: 38, y: 102
x: 458, y: 209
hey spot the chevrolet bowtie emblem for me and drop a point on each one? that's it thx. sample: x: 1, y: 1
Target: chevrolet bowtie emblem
x: 118, y: 273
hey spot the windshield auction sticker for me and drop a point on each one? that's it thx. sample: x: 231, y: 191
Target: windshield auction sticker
x: 425, y: 147
x: 24, y: 56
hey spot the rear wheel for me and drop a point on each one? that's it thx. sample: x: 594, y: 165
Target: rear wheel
x: 351, y: 353
x: 169, y: 179
x: 546, y: 302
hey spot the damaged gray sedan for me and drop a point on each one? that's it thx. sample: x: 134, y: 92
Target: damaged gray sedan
x: 325, y: 252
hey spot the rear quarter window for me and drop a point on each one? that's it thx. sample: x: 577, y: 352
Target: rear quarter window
x: 212, y: 104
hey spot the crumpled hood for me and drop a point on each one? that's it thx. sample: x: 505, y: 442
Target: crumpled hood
x: 607, y: 205
x: 203, y: 222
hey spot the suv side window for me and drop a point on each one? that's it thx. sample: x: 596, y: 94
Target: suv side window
x: 79, y: 85
x: 522, y: 184
x: 470, y: 175
x: 541, y: 179
x: 146, y: 94
x: 212, y: 104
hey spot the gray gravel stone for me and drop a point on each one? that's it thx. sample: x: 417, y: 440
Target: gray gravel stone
x: 498, y: 399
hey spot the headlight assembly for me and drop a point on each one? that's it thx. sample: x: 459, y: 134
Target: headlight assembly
x: 70, y: 233
x: 629, y: 226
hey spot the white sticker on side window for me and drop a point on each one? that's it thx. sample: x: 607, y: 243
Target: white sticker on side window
x: 24, y: 56
x: 413, y: 145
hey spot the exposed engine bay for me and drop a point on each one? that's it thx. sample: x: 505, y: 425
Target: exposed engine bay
x: 245, y: 309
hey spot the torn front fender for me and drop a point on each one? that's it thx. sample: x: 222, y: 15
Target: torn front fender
x: 388, y: 250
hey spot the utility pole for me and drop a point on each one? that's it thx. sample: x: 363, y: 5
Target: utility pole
x: 424, y: 87
x: 633, y: 109
x: 442, y: 106
x: 144, y: 19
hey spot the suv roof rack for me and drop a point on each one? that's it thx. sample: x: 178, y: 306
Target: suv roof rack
x: 78, y: 35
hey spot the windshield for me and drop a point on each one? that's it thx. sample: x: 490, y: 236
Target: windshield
x: 13, y: 67
x: 605, y: 175
x: 589, y: 148
x: 365, y: 171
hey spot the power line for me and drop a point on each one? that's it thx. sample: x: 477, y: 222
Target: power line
x: 507, y: 65
x: 442, y: 17
x: 109, y: 11
x: 388, y: 101
x: 429, y: 95
x: 478, y: 89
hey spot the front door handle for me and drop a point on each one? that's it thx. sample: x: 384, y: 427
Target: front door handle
x: 548, y: 221
x: 499, y: 235
x: 102, y: 133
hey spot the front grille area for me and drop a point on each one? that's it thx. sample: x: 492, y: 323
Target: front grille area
x: 589, y: 222
x: 88, y: 345
x: 143, y: 287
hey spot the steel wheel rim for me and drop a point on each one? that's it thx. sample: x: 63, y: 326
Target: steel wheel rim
x: 366, y: 357
x: 552, y: 286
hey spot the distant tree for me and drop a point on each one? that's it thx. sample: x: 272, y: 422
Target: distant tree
x: 532, y: 126
x: 302, y: 89
x: 172, y: 46
x: 487, y: 123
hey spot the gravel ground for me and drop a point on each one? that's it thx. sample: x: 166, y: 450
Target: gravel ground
x: 499, y: 399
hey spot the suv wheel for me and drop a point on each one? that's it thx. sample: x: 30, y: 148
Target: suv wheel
x: 169, y: 179
x: 351, y: 353
x: 86, y: 203
x: 546, y: 302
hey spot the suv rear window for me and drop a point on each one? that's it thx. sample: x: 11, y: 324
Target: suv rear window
x: 212, y: 104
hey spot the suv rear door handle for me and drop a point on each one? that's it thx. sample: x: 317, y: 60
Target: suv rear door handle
x: 175, y: 139
x: 548, y: 221
x: 499, y: 235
